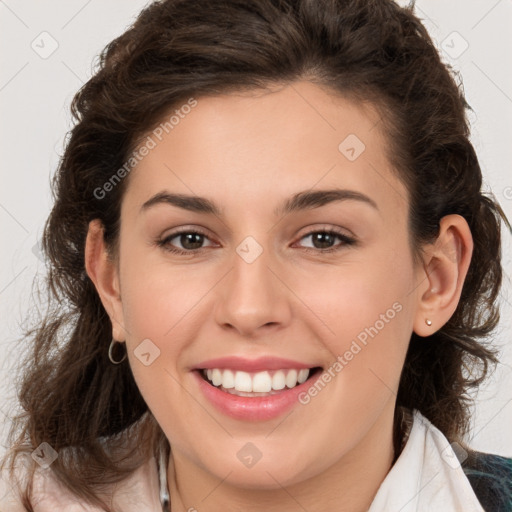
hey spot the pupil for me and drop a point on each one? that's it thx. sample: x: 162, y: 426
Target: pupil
x: 322, y: 237
x: 189, y: 238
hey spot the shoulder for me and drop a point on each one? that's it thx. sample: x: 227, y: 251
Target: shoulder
x: 10, y: 501
x: 137, y: 493
x: 490, y: 477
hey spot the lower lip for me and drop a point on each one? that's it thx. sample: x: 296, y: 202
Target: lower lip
x: 257, y: 408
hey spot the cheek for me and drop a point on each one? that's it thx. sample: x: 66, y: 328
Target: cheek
x: 160, y: 308
x: 162, y: 313
x: 364, y: 311
x: 365, y: 314
x: 158, y: 295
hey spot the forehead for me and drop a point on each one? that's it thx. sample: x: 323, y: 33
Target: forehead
x: 244, y: 147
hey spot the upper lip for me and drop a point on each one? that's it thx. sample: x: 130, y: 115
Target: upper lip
x: 252, y: 365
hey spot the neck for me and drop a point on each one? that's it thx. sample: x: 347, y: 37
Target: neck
x: 349, y: 485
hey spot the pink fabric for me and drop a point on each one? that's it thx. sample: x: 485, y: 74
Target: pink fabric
x: 139, y: 493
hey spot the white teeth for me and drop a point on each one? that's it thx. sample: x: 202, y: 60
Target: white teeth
x: 279, y: 380
x: 291, y: 379
x: 228, y: 379
x: 260, y: 382
x: 303, y: 375
x: 216, y: 377
x: 243, y: 382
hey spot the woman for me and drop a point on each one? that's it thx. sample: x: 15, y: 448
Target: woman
x: 277, y: 264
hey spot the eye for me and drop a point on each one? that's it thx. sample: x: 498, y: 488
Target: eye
x: 322, y: 240
x: 190, y: 240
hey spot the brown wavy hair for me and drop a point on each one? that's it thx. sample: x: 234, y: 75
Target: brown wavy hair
x: 371, y: 51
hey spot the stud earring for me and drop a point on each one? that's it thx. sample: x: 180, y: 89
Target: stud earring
x: 428, y: 322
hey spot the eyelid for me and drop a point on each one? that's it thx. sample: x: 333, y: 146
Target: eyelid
x: 164, y: 240
x: 186, y: 229
x: 347, y: 240
x: 315, y: 228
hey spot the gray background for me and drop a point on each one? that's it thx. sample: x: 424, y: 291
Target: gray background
x: 48, y: 52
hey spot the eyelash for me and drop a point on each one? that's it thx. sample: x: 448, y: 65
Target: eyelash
x: 164, y: 243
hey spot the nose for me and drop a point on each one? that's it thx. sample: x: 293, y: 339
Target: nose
x: 253, y: 297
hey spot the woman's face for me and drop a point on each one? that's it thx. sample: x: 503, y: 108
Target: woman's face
x: 258, y: 282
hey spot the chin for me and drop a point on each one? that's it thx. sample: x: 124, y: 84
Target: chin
x: 273, y: 473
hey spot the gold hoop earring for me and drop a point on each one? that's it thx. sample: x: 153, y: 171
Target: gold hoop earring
x: 110, y: 352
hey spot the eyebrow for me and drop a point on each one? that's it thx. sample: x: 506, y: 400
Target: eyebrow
x: 305, y: 200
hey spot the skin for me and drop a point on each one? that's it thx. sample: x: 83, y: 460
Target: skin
x: 249, y: 153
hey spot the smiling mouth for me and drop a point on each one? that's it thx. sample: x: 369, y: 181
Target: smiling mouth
x: 263, y: 383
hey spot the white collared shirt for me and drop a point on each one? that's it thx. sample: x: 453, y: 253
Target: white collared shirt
x: 427, y: 476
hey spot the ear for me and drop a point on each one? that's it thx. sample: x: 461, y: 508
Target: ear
x: 445, y: 267
x: 105, y: 276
